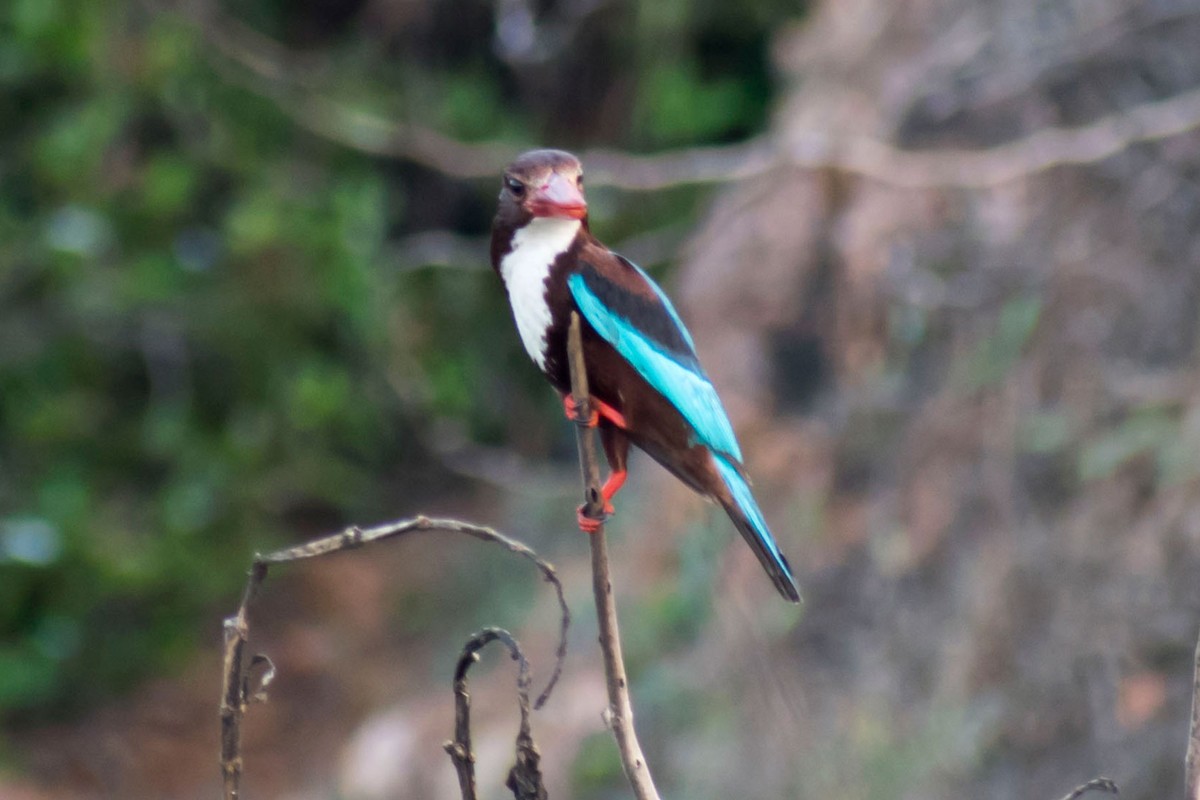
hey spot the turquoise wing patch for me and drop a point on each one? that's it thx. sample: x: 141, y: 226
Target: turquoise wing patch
x: 684, y: 385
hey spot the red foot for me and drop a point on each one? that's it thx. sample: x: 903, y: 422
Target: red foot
x: 589, y: 525
x: 599, y: 409
x: 572, y: 411
x: 611, y: 486
x: 610, y: 413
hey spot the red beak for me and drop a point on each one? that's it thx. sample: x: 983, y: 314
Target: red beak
x: 558, y: 197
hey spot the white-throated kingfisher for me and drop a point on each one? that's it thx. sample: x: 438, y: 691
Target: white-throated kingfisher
x: 646, y: 384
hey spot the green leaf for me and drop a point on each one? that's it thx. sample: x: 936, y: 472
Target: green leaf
x: 995, y: 356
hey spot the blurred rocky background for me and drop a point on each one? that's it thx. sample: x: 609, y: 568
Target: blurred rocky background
x: 941, y: 258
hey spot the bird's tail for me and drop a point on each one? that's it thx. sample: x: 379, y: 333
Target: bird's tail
x: 744, y: 512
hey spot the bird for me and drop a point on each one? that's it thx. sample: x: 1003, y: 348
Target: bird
x: 646, y: 385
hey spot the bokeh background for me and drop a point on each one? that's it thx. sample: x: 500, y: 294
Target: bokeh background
x: 941, y: 259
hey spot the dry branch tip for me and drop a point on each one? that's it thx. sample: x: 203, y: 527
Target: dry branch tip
x: 525, y: 778
x: 1094, y: 785
x: 256, y: 691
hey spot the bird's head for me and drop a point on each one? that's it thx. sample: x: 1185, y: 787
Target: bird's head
x: 543, y: 183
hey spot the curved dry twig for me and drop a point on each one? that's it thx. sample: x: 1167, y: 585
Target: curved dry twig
x: 357, y: 537
x: 525, y: 777
x: 237, y: 693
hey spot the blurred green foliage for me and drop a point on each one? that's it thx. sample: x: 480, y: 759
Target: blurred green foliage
x: 203, y: 338
x: 1151, y: 432
x: 994, y: 356
x: 596, y: 772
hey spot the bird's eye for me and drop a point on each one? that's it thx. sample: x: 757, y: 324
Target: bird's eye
x: 515, y: 186
x: 579, y: 180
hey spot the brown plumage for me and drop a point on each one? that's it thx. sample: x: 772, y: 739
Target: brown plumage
x: 640, y: 362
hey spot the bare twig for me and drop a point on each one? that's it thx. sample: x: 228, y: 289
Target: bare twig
x: 620, y: 710
x: 1192, y: 759
x: 1094, y: 785
x: 234, y: 696
x: 525, y: 778
x: 237, y: 693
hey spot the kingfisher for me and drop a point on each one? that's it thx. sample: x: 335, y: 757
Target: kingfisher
x: 646, y: 384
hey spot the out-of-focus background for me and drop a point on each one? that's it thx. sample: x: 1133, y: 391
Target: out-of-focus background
x: 941, y: 259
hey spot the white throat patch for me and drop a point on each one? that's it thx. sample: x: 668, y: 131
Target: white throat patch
x: 525, y: 269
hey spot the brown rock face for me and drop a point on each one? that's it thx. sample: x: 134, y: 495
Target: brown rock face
x: 958, y: 327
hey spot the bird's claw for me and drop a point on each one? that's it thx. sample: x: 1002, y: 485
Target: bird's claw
x: 590, y: 524
x: 572, y: 411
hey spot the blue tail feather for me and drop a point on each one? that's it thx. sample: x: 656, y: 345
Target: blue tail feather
x: 748, y: 518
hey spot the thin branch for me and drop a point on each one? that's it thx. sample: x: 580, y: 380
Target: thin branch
x: 357, y: 537
x: 267, y: 71
x: 264, y: 72
x: 234, y: 697
x: 1192, y: 759
x: 367, y: 132
x: 620, y: 710
x: 1037, y: 152
x: 525, y: 777
x: 237, y: 692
